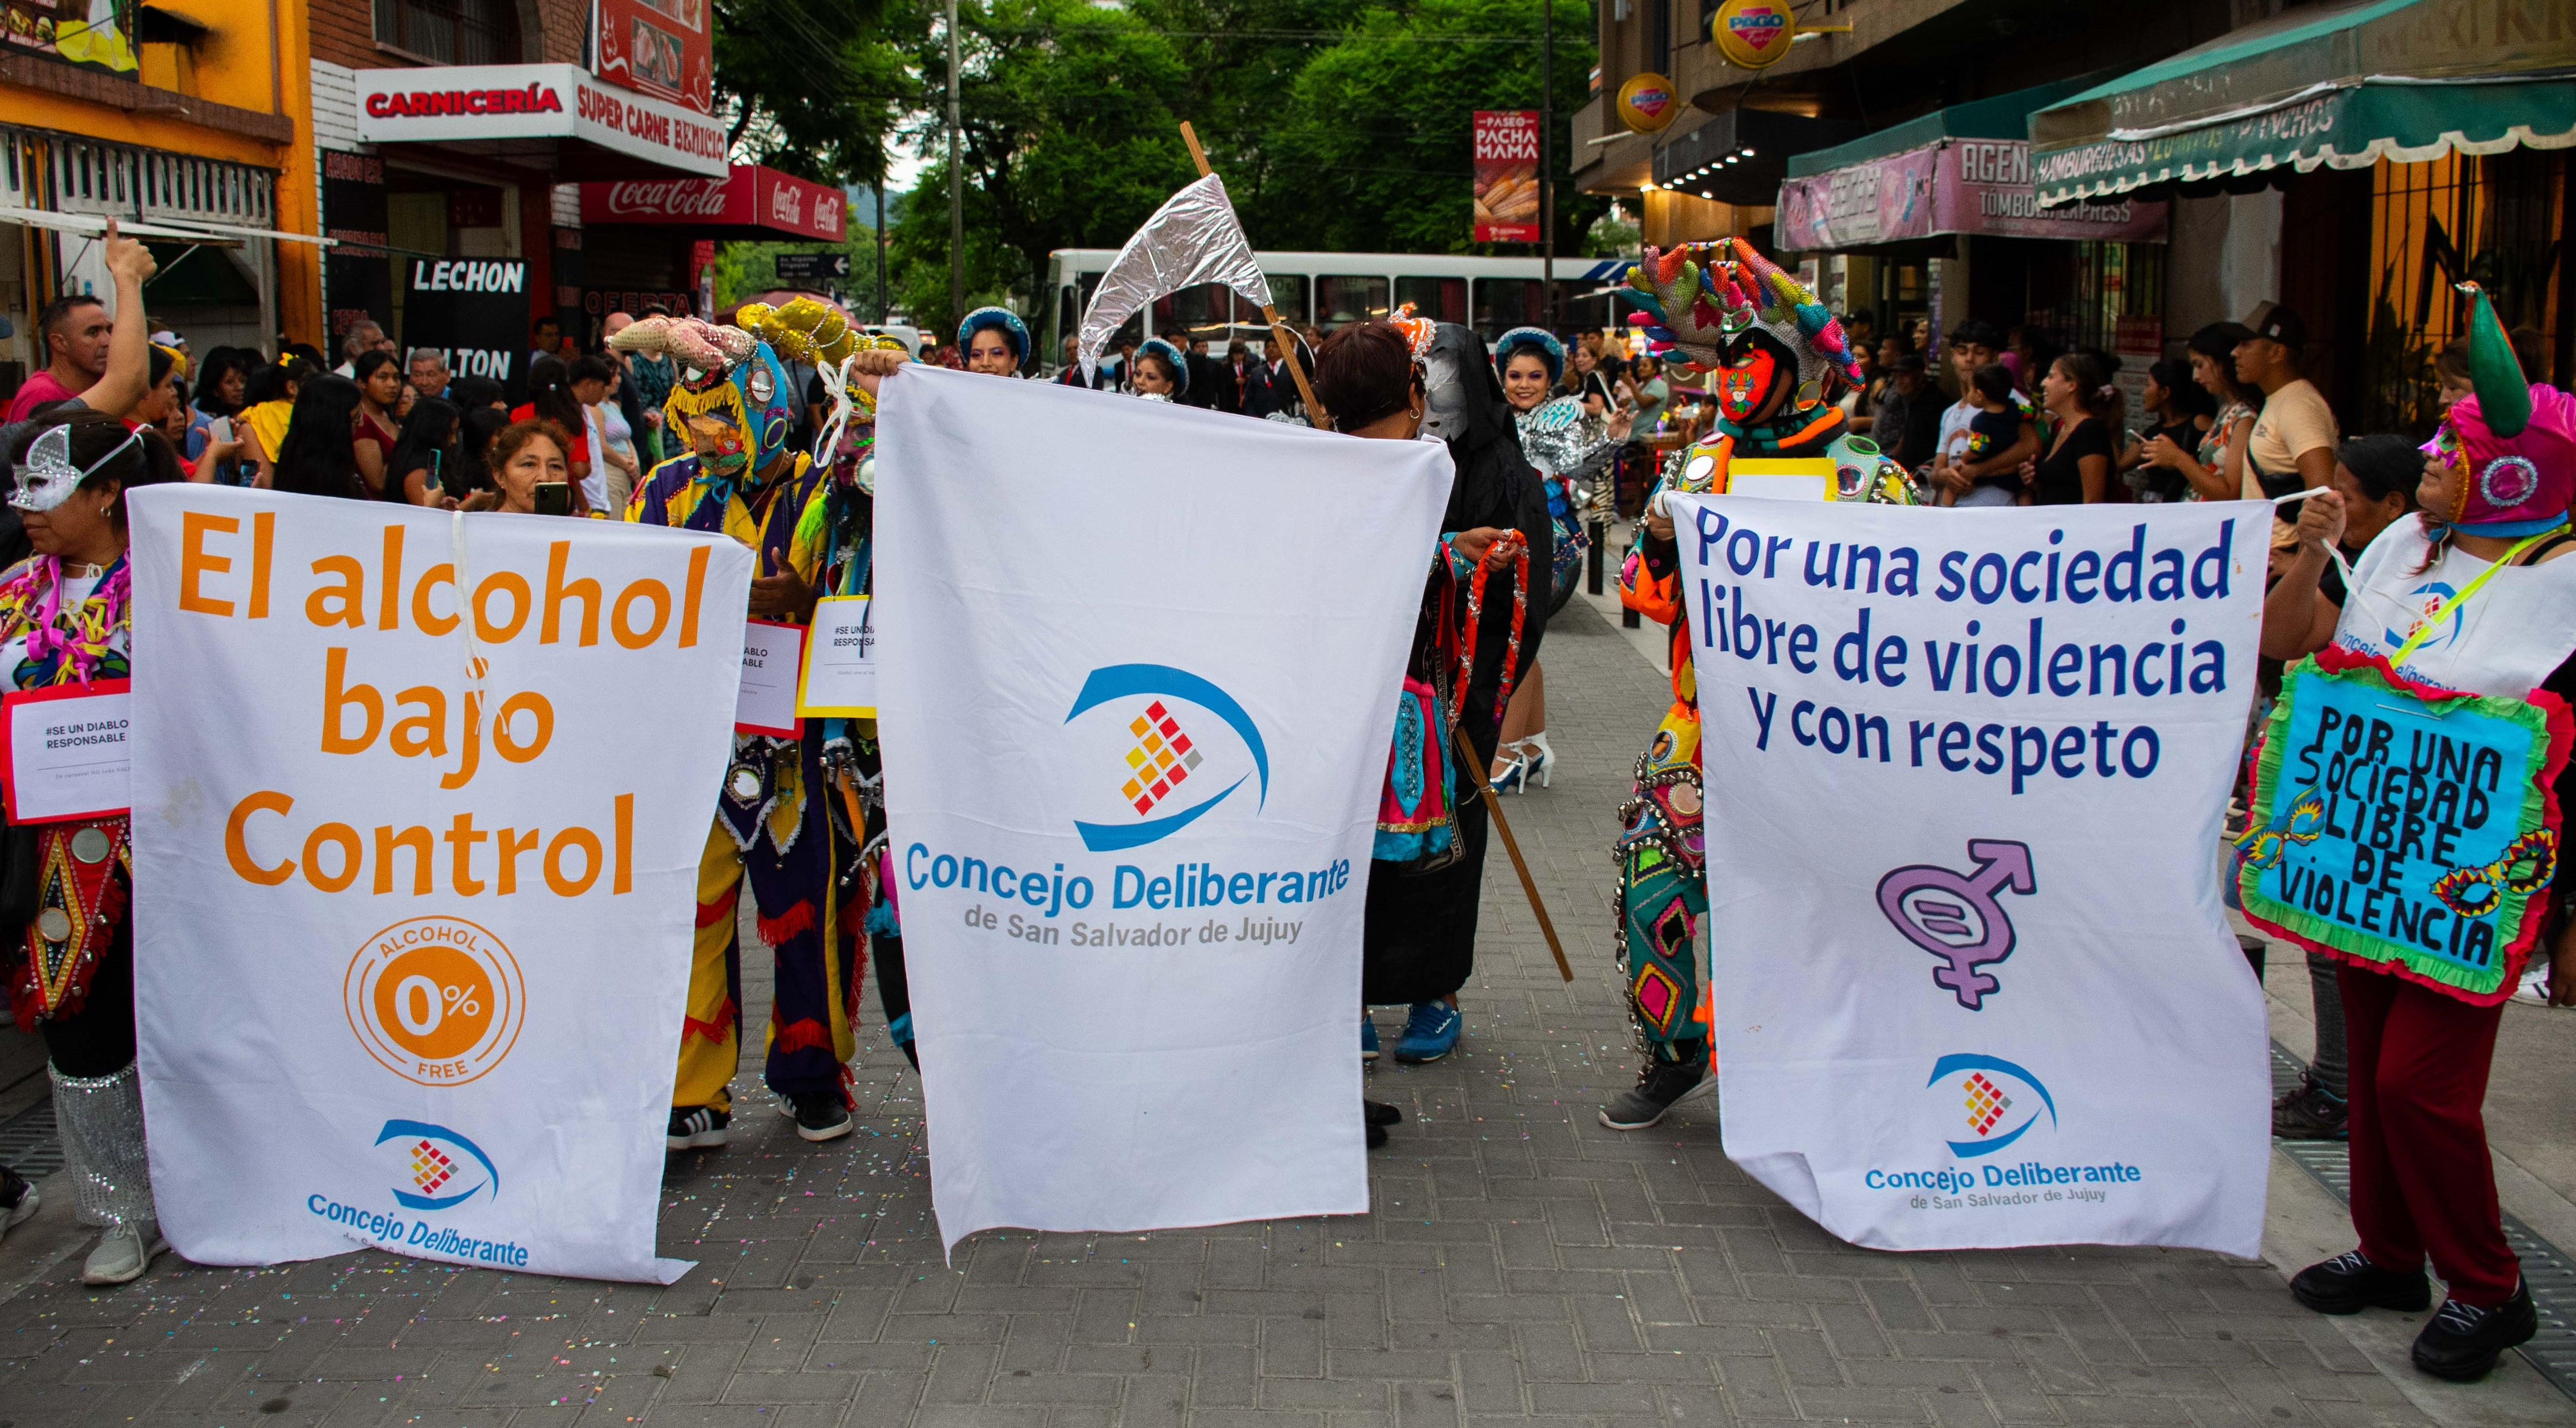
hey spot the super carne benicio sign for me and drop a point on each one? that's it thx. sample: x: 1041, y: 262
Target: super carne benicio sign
x: 465, y: 103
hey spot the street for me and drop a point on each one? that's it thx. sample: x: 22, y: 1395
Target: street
x: 1521, y: 1262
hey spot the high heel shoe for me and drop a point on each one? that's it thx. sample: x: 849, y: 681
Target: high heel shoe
x: 1537, y: 758
x: 1515, y: 774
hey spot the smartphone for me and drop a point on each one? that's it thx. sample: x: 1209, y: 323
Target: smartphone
x: 220, y: 429
x: 554, y: 498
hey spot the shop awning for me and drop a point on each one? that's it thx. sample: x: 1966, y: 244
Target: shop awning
x: 2343, y: 86
x: 556, y: 117
x: 751, y: 201
x: 1964, y: 169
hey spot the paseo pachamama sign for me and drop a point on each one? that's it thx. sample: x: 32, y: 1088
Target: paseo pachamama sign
x: 409, y: 870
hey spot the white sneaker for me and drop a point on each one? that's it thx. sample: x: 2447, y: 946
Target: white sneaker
x: 2535, y: 985
x: 122, y: 1255
x: 21, y: 1212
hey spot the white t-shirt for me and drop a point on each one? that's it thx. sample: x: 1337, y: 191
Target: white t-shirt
x: 594, y: 487
x: 2511, y: 635
x: 1953, y: 447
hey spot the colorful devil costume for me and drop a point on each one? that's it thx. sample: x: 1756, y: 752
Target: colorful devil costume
x: 65, y: 625
x: 774, y: 824
x: 1774, y: 355
x: 2486, y: 645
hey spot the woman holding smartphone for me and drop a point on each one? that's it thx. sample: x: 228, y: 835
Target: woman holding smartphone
x: 530, y: 473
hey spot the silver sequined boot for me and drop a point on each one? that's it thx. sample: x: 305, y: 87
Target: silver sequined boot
x: 101, y: 1122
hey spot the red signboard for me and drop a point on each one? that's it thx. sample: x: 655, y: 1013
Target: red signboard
x: 1507, y: 176
x: 660, y: 48
x: 748, y: 197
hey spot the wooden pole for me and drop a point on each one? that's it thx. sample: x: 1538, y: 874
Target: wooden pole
x: 1316, y: 416
x: 1494, y: 805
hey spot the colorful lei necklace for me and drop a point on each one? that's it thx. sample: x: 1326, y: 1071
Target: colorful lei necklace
x: 1475, y: 619
x: 58, y: 646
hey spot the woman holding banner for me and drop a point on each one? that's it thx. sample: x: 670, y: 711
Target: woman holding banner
x: 65, y: 621
x: 2467, y: 612
x: 1477, y: 633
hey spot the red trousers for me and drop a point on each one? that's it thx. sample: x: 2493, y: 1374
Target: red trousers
x: 2422, y: 1183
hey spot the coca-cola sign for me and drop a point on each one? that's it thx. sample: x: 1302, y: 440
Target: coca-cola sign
x: 661, y: 198
x: 749, y: 197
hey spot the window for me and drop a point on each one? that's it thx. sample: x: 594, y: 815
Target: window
x: 1203, y: 310
x: 450, y: 31
x: 1440, y: 299
x: 1505, y: 303
x: 1342, y: 300
x: 1288, y: 294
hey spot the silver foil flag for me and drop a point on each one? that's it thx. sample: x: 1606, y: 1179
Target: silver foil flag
x: 1193, y: 238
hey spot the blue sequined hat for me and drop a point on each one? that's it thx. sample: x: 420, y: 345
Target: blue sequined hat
x: 1180, y: 364
x: 1534, y: 339
x: 1000, y: 319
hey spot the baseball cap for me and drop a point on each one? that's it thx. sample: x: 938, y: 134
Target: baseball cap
x: 2279, y: 324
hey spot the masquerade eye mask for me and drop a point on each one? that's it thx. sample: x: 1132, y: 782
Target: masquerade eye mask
x: 47, y: 477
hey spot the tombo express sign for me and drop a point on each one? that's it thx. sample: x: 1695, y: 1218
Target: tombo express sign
x: 532, y: 101
x: 749, y: 197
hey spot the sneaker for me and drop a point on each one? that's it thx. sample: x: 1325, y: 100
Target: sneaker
x: 2462, y: 1342
x: 2534, y: 988
x: 1661, y: 1086
x: 1368, y: 1037
x: 817, y: 1117
x: 125, y: 1251
x: 2349, y: 1283
x: 2311, y: 1112
x: 698, y: 1127
x: 1430, y: 1033
x: 18, y: 1200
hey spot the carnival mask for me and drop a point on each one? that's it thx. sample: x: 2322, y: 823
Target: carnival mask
x: 1749, y: 370
x: 1449, y: 361
x: 719, y: 445
x: 47, y: 477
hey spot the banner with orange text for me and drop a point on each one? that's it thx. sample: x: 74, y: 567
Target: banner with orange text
x: 418, y: 805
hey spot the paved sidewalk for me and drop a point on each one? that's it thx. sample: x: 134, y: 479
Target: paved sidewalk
x: 1522, y: 1263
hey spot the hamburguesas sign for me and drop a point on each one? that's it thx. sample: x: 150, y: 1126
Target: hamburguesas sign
x: 408, y: 882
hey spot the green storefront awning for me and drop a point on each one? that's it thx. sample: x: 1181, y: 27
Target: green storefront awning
x: 2341, y: 86
x: 2006, y: 116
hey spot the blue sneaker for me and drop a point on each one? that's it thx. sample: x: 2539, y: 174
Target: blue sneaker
x: 1368, y: 1036
x: 1430, y: 1033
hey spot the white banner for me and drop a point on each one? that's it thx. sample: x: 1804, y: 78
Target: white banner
x: 418, y: 805
x: 1967, y: 772
x: 1136, y: 719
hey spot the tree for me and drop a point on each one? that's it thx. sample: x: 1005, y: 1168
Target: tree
x: 810, y: 86
x: 1374, y: 153
x: 1068, y: 140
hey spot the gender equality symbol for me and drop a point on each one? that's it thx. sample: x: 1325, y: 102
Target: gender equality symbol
x: 1957, y: 917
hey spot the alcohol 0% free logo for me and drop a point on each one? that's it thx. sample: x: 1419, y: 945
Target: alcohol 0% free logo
x: 437, y: 1000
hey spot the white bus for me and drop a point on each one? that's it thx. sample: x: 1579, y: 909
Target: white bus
x: 1330, y: 290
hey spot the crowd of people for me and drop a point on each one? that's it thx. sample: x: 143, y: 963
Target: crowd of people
x: 735, y: 429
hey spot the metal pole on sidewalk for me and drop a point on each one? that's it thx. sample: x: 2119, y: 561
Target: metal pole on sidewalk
x: 1547, y: 157
x: 956, y: 195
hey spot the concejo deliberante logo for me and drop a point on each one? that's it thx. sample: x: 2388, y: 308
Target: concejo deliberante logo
x: 1165, y: 759
x: 1995, y: 1101
x: 444, y: 1169
x: 438, y: 1000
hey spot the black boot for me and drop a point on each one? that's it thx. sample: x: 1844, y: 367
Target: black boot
x: 2348, y: 1284
x: 2462, y: 1342
x: 1660, y: 1086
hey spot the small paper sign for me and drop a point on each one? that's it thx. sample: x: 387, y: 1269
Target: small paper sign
x: 840, y: 678
x: 67, y: 754
x: 772, y: 654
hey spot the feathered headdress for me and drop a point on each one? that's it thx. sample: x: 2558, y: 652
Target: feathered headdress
x: 1697, y: 299
x: 1418, y: 331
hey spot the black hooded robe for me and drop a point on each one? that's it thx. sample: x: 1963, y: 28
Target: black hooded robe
x: 1420, y: 938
